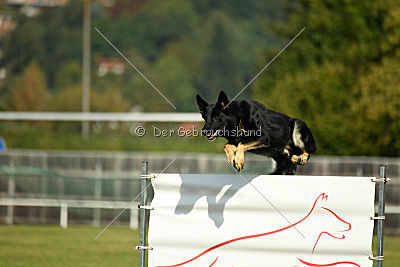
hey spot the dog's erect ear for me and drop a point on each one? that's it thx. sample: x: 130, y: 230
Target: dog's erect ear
x: 223, y: 99
x: 201, y: 103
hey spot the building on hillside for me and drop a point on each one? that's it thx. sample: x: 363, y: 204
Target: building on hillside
x: 7, y: 23
x: 32, y: 8
x: 107, y: 3
x: 37, y: 3
x: 110, y: 65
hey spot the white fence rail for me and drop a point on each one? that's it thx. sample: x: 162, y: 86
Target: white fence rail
x: 64, y: 204
x: 101, y: 116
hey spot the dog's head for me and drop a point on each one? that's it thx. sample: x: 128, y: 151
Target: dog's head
x: 218, y: 117
x: 334, y: 226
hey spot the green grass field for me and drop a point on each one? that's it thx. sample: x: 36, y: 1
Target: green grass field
x: 75, y: 246
x: 52, y: 246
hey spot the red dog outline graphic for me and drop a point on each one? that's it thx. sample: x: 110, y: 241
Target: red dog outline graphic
x: 322, y: 197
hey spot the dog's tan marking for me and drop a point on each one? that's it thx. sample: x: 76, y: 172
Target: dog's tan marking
x: 241, y: 148
x: 297, y: 137
x: 230, y: 153
x: 302, y: 159
x: 286, y: 150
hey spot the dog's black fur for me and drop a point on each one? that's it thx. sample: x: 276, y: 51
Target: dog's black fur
x: 287, y: 140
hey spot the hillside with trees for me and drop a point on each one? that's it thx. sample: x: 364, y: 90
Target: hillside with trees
x: 183, y: 46
x: 341, y: 75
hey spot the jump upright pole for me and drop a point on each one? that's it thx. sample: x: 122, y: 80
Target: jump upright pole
x: 381, y: 215
x: 143, y: 216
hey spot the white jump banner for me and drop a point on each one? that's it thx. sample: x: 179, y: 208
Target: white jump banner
x: 288, y: 221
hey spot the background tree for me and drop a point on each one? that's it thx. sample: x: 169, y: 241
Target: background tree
x: 70, y: 74
x: 29, y: 92
x: 175, y: 81
x: 376, y: 114
x: 220, y: 65
x: 329, y: 75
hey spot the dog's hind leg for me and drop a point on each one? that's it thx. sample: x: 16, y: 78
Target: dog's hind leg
x: 284, y: 166
x: 230, y: 153
x: 301, y: 159
x: 299, y: 135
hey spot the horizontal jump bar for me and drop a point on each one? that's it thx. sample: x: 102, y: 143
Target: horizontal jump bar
x: 101, y: 116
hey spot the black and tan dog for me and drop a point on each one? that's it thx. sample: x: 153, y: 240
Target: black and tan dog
x: 249, y: 126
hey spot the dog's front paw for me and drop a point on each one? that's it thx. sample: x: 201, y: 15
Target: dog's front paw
x: 230, y: 153
x: 238, y: 163
x: 231, y: 159
x: 239, y: 166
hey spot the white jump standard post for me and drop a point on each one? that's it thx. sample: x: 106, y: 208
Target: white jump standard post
x: 144, y: 213
x: 381, y: 216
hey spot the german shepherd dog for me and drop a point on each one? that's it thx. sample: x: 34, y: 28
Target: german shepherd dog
x: 249, y: 126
